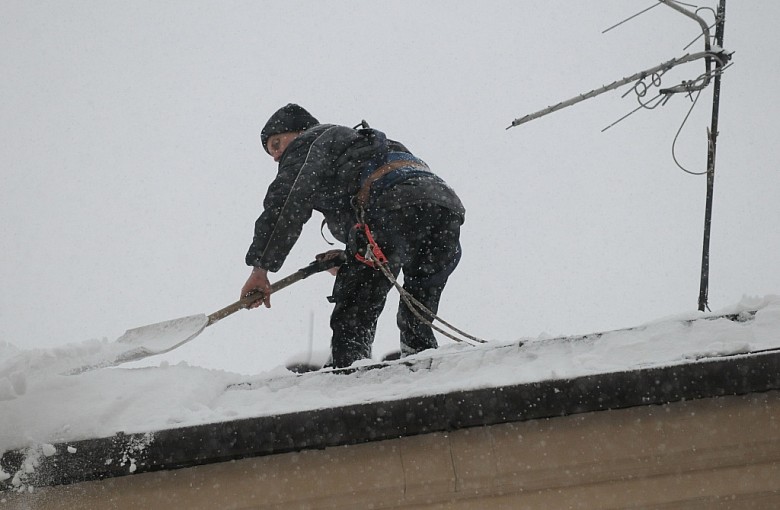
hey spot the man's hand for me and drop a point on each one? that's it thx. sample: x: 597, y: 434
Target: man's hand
x: 328, y: 255
x: 258, y: 282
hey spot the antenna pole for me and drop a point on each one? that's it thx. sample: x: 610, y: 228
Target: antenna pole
x: 711, y: 145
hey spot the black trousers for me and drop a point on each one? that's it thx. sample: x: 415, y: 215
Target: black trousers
x: 423, y: 242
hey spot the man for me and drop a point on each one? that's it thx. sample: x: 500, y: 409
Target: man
x: 357, y: 176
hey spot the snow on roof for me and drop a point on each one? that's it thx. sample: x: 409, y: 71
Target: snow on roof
x: 40, y: 407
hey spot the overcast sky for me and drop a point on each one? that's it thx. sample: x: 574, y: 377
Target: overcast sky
x: 132, y: 170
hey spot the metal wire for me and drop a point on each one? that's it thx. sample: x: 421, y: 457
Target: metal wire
x: 674, y: 142
x: 630, y: 18
x: 716, y: 72
x: 660, y: 99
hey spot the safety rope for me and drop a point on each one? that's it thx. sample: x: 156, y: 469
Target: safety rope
x: 416, y: 307
x: 377, y: 260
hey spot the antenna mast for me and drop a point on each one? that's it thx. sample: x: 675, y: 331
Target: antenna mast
x: 713, y: 136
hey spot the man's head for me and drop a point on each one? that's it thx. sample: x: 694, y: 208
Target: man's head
x: 290, y: 119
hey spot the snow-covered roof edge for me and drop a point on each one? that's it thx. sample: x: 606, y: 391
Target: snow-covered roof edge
x: 125, y: 454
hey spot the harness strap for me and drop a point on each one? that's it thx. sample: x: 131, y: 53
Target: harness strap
x: 374, y: 257
x: 361, y: 198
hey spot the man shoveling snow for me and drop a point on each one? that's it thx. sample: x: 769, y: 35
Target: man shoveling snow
x: 378, y: 199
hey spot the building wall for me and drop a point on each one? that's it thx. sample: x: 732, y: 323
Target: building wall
x: 704, y: 454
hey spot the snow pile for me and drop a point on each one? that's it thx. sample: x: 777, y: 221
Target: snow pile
x: 39, y: 406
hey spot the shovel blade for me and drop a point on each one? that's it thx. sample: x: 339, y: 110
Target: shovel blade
x: 138, y: 343
x: 161, y: 337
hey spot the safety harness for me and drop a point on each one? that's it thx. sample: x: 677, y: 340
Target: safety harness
x: 387, y: 169
x: 361, y: 200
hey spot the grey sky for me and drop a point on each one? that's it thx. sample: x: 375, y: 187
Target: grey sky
x: 132, y: 170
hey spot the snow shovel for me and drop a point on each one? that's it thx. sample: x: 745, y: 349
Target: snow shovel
x: 139, y: 343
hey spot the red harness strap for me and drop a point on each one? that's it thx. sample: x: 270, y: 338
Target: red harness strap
x: 376, y: 258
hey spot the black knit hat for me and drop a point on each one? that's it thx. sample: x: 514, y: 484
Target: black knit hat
x: 287, y: 119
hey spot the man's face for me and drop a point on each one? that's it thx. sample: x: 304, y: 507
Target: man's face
x: 278, y: 143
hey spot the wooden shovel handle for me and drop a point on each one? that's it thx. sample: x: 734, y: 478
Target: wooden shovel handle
x: 315, y: 267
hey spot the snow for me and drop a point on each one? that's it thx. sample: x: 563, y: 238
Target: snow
x: 40, y: 407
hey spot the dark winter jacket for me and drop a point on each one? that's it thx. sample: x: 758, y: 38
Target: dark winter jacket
x: 321, y: 170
